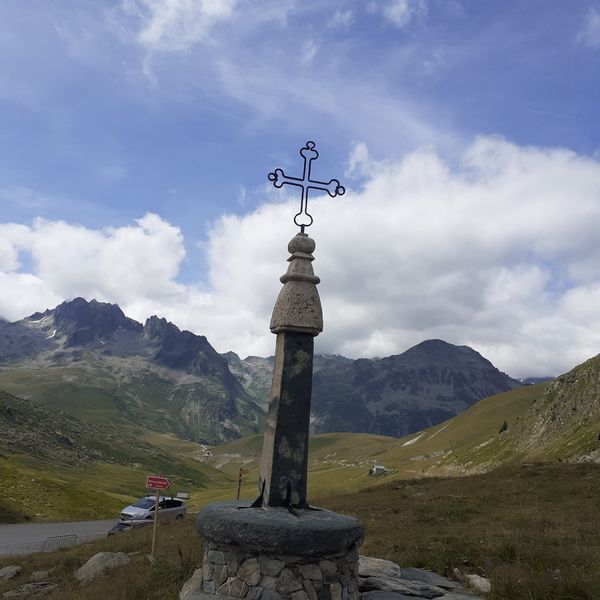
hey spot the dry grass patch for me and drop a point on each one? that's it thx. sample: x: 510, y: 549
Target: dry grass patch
x: 531, y: 530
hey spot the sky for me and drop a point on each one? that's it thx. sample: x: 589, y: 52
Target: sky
x: 136, y: 137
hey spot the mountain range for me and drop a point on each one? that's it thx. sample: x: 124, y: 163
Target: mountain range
x: 90, y: 359
x: 392, y: 396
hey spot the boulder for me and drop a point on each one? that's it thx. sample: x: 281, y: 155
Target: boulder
x: 9, y: 572
x: 401, y: 586
x: 380, y: 595
x: 460, y: 596
x: 192, y: 588
x: 481, y: 584
x: 429, y: 577
x: 39, y: 576
x: 377, y: 574
x: 377, y: 567
x: 103, y: 561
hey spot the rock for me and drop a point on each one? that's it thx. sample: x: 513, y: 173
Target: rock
x: 30, y: 590
x: 268, y: 581
x: 192, y: 588
x: 335, y: 590
x: 402, y: 586
x: 310, y: 590
x: 327, y: 567
x: 311, y: 571
x: 232, y: 563
x: 220, y: 575
x: 287, y: 583
x: 300, y: 595
x: 270, y: 595
x: 460, y: 596
x: 376, y: 567
x: 235, y: 588
x: 428, y: 577
x: 99, y: 563
x: 250, y: 571
x: 379, y: 595
x: 39, y: 576
x: 271, y: 566
x: 216, y: 556
x: 481, y: 584
x: 9, y: 572
x: 385, y: 575
x: 254, y: 593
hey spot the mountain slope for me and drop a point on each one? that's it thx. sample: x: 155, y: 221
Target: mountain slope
x: 391, y: 396
x: 397, y: 395
x: 92, y: 360
x: 255, y: 373
x: 55, y: 466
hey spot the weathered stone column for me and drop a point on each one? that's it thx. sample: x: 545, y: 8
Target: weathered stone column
x: 297, y: 319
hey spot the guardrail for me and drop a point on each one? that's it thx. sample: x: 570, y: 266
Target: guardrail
x: 59, y: 541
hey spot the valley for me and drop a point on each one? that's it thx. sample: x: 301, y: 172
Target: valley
x: 95, y: 401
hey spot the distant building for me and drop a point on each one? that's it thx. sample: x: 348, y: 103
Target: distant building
x: 377, y: 470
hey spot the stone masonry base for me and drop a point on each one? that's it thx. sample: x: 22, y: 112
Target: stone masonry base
x: 230, y: 571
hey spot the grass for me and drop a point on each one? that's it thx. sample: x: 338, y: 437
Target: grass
x: 340, y: 462
x: 178, y: 551
x: 531, y: 530
x: 41, y: 491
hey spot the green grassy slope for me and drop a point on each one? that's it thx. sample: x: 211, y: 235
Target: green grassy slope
x: 130, y: 390
x: 55, y: 466
x: 340, y: 462
x: 527, y: 529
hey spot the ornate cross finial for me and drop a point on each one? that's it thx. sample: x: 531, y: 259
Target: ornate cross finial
x: 303, y: 218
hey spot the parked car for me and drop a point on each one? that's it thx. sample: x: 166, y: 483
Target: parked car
x: 169, y: 509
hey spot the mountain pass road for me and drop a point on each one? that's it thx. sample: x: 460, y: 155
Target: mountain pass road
x: 28, y: 538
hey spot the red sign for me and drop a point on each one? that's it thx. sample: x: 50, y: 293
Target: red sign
x: 153, y: 482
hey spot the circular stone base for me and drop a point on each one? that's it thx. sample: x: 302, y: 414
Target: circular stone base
x: 272, y: 554
x: 311, y: 532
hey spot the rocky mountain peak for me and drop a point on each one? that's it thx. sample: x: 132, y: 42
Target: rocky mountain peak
x: 84, y: 322
x: 185, y: 350
x: 443, y: 353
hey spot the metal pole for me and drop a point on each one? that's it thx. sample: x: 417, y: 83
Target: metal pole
x: 239, y: 483
x: 155, y: 522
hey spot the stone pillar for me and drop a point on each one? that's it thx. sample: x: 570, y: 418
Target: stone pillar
x: 297, y: 319
x: 278, y: 548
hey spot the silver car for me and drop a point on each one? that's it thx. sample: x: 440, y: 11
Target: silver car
x: 169, y: 509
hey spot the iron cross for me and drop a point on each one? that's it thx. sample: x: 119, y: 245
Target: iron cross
x: 303, y: 218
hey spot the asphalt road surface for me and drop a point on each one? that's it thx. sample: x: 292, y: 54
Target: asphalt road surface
x: 28, y: 538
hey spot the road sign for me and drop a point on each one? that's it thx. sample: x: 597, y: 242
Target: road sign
x: 154, y: 482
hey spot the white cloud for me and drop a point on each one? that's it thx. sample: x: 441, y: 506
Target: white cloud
x: 499, y: 252
x: 341, y: 18
x: 399, y: 12
x: 589, y: 34
x: 309, y: 51
x: 176, y: 25
x: 359, y: 163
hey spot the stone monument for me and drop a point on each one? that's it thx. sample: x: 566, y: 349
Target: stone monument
x: 279, y: 547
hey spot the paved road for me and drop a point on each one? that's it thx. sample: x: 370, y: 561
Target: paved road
x: 25, y: 539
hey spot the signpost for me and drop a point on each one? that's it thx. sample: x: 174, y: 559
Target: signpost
x: 240, y: 482
x: 158, y: 483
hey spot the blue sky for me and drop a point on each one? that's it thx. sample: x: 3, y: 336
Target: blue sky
x: 180, y: 108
